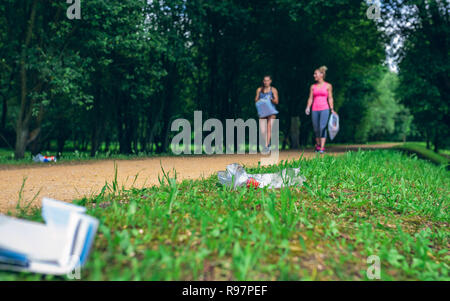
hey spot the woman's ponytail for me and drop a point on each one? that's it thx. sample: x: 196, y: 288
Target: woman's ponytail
x: 323, y: 70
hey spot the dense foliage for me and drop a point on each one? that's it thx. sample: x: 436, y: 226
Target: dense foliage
x: 424, y: 29
x: 114, y: 80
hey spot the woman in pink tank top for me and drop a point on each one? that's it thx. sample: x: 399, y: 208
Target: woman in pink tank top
x: 321, y: 102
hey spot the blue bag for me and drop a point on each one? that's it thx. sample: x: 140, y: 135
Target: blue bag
x: 265, y: 107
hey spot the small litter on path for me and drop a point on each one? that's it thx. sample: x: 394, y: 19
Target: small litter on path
x: 44, y: 159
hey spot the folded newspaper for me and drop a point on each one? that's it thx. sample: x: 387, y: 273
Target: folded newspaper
x: 56, y: 247
x: 236, y: 176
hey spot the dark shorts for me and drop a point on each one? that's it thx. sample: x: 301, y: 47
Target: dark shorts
x: 320, y: 122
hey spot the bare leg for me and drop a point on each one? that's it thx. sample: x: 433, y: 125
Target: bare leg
x: 322, y: 142
x: 269, y: 128
x: 263, y: 129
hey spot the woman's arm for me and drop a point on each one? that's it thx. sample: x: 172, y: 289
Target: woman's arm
x: 275, y: 99
x: 310, y: 101
x: 330, y: 98
x: 257, y: 94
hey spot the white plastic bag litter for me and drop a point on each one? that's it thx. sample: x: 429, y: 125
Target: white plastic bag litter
x: 236, y: 176
x: 333, y: 125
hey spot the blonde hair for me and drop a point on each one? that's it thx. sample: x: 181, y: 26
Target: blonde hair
x: 323, y: 70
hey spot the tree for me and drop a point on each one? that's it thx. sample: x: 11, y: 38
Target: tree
x: 114, y: 80
x: 424, y: 85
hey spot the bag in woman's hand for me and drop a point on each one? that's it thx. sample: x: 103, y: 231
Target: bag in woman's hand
x: 333, y: 125
x: 265, y: 107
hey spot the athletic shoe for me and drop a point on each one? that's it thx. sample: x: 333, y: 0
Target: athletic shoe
x: 322, y: 150
x: 317, y: 148
x: 266, y: 150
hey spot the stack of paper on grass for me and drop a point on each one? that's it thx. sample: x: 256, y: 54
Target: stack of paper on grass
x: 56, y: 247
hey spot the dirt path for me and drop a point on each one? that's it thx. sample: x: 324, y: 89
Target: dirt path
x: 69, y: 181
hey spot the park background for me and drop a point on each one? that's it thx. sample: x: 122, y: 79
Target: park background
x: 113, y: 81
x: 101, y: 93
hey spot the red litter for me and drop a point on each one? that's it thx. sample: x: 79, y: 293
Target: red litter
x: 252, y: 183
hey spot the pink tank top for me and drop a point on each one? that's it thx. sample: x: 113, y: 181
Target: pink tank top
x: 320, y: 96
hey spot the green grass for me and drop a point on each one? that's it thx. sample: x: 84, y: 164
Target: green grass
x: 360, y: 204
x: 421, y: 150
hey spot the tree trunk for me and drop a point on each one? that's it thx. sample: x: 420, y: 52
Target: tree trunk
x: 144, y: 136
x: 295, y: 132
x: 23, y: 119
x: 97, y: 131
x: 84, y: 144
x: 35, y: 137
x: 107, y: 143
x: 165, y: 147
x: 154, y: 126
x: 95, y: 139
x: 124, y: 127
x: 36, y: 145
x: 213, y: 65
x: 75, y: 142
x: 4, y: 114
x: 21, y: 142
x: 61, y: 141
x: 436, y: 142
x: 169, y: 91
